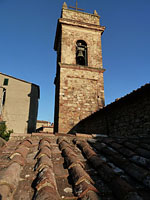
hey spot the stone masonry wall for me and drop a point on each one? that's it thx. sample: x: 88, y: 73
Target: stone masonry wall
x: 70, y: 35
x: 81, y: 16
x: 129, y: 115
x: 81, y: 94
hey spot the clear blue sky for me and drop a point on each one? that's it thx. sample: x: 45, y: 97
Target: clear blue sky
x: 27, y: 32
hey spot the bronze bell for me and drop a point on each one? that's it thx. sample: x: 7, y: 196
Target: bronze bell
x: 80, y: 54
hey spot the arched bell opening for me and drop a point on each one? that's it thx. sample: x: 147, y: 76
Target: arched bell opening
x: 81, y: 53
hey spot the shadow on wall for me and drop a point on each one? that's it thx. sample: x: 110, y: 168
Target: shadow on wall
x: 92, y: 124
x: 33, y: 109
x: 130, y: 115
x: 57, y: 90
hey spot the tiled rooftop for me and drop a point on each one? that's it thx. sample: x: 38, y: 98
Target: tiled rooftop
x: 75, y: 167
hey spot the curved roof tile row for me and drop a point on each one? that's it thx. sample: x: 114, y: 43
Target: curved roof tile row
x: 105, y: 168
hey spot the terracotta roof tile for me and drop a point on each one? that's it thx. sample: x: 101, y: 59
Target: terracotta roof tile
x: 46, y: 178
x: 46, y: 193
x: 17, y: 159
x: 21, y: 150
x: 44, y: 143
x: 43, y: 162
x: 44, y: 151
x: 81, y: 179
x: 107, y: 168
x: 83, y: 190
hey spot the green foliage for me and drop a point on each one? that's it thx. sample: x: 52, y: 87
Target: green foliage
x: 4, y: 133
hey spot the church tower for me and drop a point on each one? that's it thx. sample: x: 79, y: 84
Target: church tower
x: 79, y: 83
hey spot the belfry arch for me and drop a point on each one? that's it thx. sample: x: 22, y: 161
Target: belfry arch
x: 81, y: 53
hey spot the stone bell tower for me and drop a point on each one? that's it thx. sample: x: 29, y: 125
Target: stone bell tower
x: 79, y: 77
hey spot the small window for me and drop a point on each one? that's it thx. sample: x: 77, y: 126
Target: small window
x: 6, y: 81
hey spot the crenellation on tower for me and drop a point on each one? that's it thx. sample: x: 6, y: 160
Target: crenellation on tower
x: 79, y: 78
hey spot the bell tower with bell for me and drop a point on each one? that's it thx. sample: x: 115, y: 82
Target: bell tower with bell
x: 79, y: 87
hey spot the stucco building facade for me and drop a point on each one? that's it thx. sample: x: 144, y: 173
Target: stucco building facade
x: 79, y: 77
x: 18, y: 104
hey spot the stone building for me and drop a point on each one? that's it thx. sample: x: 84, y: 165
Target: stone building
x: 79, y: 77
x: 44, y: 126
x: 41, y: 123
x: 18, y: 104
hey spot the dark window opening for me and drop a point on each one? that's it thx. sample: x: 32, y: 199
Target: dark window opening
x: 6, y: 81
x: 81, y: 53
x: 4, y: 97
